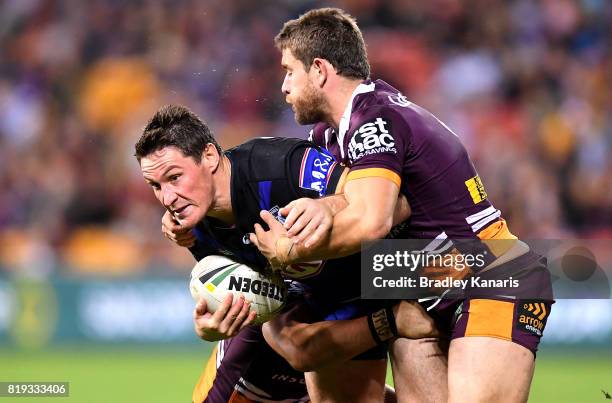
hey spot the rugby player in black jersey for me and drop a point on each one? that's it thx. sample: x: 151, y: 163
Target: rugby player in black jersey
x: 394, y: 147
x: 219, y: 196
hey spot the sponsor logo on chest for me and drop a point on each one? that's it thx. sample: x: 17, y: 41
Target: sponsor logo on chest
x: 371, y: 138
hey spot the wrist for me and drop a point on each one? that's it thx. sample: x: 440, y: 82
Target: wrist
x: 284, y: 247
x: 382, y: 325
x: 334, y: 203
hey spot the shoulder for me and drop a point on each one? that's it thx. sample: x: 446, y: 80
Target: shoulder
x: 320, y: 134
x: 265, y: 150
x: 385, y: 101
x: 260, y: 144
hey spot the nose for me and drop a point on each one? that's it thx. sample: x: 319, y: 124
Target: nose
x: 285, y: 86
x: 168, y: 197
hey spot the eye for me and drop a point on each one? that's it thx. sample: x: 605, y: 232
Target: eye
x: 155, y: 186
x: 174, y: 178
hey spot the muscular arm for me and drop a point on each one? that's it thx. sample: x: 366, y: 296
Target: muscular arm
x: 366, y: 211
x: 309, y: 346
x: 369, y: 215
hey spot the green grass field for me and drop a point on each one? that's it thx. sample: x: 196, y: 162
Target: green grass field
x: 162, y: 374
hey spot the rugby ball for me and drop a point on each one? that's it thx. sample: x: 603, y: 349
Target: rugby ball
x: 215, y: 276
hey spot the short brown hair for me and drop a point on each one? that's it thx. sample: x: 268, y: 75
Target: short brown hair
x: 328, y: 33
x: 175, y: 126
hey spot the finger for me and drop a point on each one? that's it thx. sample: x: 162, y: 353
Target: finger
x: 224, y: 308
x: 249, y: 320
x: 170, y: 224
x: 186, y: 244
x: 253, y: 239
x: 287, y: 209
x: 242, y: 315
x: 259, y: 232
x: 298, y: 226
x: 232, y: 314
x: 296, y: 211
x: 309, y: 224
x: 167, y: 220
x: 200, y: 308
x: 186, y: 237
x: 269, y: 219
x: 307, y: 232
x: 173, y: 236
x: 434, y: 332
x: 317, y: 235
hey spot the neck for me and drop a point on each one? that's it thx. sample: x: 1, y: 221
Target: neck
x: 339, y: 99
x: 221, y: 208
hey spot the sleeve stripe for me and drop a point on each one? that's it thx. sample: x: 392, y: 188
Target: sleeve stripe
x: 375, y: 172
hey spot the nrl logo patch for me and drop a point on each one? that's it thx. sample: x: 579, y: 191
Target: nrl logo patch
x: 275, y: 211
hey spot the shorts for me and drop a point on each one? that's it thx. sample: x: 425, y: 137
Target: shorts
x: 245, y: 369
x: 519, y: 318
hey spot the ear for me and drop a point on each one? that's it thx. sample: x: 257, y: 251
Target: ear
x: 321, y: 70
x: 211, y: 157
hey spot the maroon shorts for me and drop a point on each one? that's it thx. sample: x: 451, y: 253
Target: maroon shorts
x: 520, y: 318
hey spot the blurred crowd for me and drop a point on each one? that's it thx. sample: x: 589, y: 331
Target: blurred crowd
x: 526, y: 84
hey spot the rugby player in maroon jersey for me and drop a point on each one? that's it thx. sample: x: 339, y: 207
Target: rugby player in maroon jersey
x: 392, y: 147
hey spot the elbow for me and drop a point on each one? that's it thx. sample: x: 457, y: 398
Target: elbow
x: 301, y: 357
x: 373, y: 229
x: 294, y: 346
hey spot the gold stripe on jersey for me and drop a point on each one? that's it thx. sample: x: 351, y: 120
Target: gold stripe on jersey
x: 498, y: 237
x: 205, y: 383
x: 490, y: 318
x: 375, y: 172
x: 476, y: 189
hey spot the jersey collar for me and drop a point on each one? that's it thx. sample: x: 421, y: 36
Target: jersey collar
x: 362, y: 88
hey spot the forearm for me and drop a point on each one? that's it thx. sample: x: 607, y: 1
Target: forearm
x: 369, y: 215
x: 336, y: 203
x: 344, y: 239
x: 308, y: 347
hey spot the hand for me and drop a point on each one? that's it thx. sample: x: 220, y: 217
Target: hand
x: 413, y: 322
x: 227, y: 320
x: 178, y: 234
x: 271, y: 242
x: 308, y: 220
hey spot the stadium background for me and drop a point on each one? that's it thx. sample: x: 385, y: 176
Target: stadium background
x: 90, y: 292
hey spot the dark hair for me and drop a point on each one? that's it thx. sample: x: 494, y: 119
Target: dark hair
x: 328, y: 33
x: 175, y: 126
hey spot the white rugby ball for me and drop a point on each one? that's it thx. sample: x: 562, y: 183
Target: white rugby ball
x: 215, y: 276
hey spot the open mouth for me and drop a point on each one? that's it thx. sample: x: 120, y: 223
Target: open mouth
x: 178, y: 211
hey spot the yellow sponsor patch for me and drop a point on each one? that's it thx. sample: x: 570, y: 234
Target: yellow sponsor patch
x: 476, y: 189
x: 210, y: 287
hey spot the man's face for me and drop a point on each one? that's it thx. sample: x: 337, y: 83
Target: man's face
x: 181, y: 185
x: 307, y: 101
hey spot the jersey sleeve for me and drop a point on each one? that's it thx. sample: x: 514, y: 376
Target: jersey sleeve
x: 378, y: 144
x: 313, y: 171
x: 318, y: 134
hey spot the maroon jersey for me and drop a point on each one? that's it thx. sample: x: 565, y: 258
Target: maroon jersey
x: 382, y: 134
